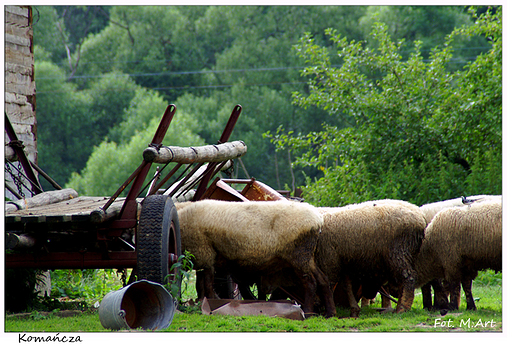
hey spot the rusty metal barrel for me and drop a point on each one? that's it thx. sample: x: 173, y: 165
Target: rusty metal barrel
x: 142, y: 304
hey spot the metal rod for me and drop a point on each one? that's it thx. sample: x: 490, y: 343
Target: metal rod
x: 73, y: 260
x: 129, y: 206
x: 299, y: 301
x: 223, y: 138
x: 26, y: 177
x: 383, y: 292
x: 122, y: 187
x: 188, y: 176
x: 166, y: 178
x: 13, y: 191
x: 197, y: 180
x: 46, y: 176
x: 154, y: 180
x: 237, y: 181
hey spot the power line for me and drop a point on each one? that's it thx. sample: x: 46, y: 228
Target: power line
x: 456, y: 60
x: 260, y: 69
x: 168, y: 60
x: 168, y: 73
x: 176, y: 88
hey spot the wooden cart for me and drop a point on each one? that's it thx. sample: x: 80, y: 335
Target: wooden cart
x: 59, y: 230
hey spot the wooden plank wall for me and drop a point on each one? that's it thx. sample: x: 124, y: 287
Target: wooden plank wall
x: 19, y: 75
x: 20, y: 90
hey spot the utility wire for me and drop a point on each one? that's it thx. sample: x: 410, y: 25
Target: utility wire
x: 167, y: 73
x: 167, y: 60
x: 177, y: 88
x: 261, y: 69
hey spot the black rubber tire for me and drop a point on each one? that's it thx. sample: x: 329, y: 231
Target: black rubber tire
x: 158, y: 235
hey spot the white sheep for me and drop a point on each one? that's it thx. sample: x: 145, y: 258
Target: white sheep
x: 258, y: 237
x: 460, y: 241
x: 430, y: 210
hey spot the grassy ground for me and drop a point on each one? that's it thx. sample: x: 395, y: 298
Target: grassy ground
x: 488, y: 317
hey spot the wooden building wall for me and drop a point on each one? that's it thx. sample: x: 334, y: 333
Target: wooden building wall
x: 20, y: 90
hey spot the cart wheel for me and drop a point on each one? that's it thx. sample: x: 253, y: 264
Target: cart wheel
x: 158, y: 241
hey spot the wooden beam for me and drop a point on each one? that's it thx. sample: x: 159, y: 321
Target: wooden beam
x: 41, y: 199
x: 207, y: 153
x: 18, y: 241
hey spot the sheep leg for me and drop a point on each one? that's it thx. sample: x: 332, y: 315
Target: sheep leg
x: 405, y: 300
x: 440, y: 296
x: 352, y: 301
x: 323, y: 282
x: 454, y: 289
x: 209, y: 277
x: 386, y: 303
x: 405, y: 277
x: 309, y: 285
x: 426, y: 290
x: 407, y: 291
x: 466, y: 285
x: 199, y: 284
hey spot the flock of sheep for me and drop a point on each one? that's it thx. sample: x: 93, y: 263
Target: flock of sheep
x: 337, y: 256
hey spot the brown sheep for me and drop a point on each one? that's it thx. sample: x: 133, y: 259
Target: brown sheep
x: 459, y: 242
x: 369, y: 244
x: 261, y: 237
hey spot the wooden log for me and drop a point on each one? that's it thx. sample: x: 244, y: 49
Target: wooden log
x: 10, y: 154
x: 19, y: 241
x: 207, y: 153
x: 100, y: 215
x: 10, y: 207
x: 188, y: 196
x: 41, y: 199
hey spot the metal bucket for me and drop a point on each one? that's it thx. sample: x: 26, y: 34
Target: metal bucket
x: 142, y: 304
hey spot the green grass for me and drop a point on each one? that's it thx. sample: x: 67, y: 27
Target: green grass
x: 489, y: 307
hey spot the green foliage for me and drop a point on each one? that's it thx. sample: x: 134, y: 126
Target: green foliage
x: 111, y: 163
x: 81, y: 22
x: 428, y: 24
x: 207, y: 59
x: 47, y: 35
x: 111, y: 95
x: 145, y: 107
x: 89, y: 285
x: 411, y: 129
x: 71, y: 124
x: 488, y: 278
x: 150, y: 42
